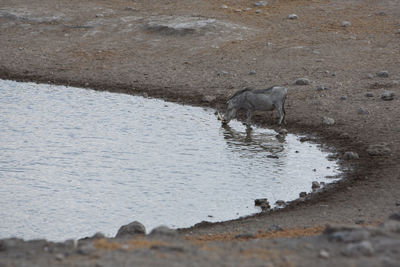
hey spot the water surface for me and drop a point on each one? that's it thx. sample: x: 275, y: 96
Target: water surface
x: 76, y: 161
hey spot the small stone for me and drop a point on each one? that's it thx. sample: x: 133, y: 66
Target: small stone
x: 395, y: 217
x: 324, y: 254
x: 272, y: 157
x: 303, y: 194
x: 99, y: 15
x: 163, y: 231
x: 260, y: 201
x: 328, y: 121
x: 383, y: 74
x: 343, y: 97
x: 379, y: 150
x: 131, y: 229
x: 248, y: 9
x: 345, y: 23
x: 369, y: 95
x: 261, y: 3
x: 280, y: 203
x: 397, y: 203
x: 258, y: 11
x: 391, y: 226
x: 363, y: 248
x: 283, y: 131
x: 238, y: 10
x: 60, y: 257
x: 86, y: 249
x: 293, y: 16
x: 388, y: 95
x: 302, y: 81
x: 252, y: 72
x: 321, y: 87
x: 350, y: 155
x: 370, y: 76
x: 362, y: 111
x: 315, y: 185
x: 98, y: 235
x: 224, y: 6
x: 208, y: 98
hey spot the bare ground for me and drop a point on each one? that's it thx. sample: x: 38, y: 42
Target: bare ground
x: 198, y: 53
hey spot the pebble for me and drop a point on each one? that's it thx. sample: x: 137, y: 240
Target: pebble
x: 60, y: 257
x: 350, y: 155
x: 283, y: 131
x: 345, y: 23
x: 293, y: 16
x: 383, y: 74
x: 379, y: 150
x: 343, y: 97
x: 261, y: 3
x: 321, y: 87
x: 370, y: 76
x: 315, y: 185
x: 163, y: 231
x: 363, y: 248
x: 324, y: 254
x: 369, y: 95
x: 303, y: 194
x: 258, y: 11
x: 131, y: 229
x: 302, y: 81
x: 252, y: 72
x: 388, y: 95
x: 362, y: 111
x: 280, y: 203
x: 328, y: 121
x: 224, y: 6
x: 260, y: 201
x: 208, y: 98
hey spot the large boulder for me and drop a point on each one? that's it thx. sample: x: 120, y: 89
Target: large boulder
x: 131, y: 229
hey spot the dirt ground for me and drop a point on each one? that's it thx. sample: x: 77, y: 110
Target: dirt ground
x: 200, y: 52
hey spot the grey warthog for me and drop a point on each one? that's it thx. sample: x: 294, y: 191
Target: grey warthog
x: 256, y: 99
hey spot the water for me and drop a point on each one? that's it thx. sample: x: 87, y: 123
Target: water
x: 75, y: 161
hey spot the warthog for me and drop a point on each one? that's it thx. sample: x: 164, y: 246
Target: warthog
x: 256, y: 99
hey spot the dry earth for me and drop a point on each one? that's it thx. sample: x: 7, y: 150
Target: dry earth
x: 198, y: 52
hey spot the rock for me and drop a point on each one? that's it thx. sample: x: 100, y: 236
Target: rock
x: 272, y: 157
x: 304, y: 139
x: 261, y: 3
x: 370, y: 76
x: 293, y: 16
x: 328, y: 121
x: 321, y: 88
x: 315, y: 185
x: 280, y: 203
x: 283, y: 131
x: 132, y: 229
x: 323, y: 254
x: 345, y: 23
x: 303, y: 194
x: 379, y: 150
x: 362, y: 111
x: 60, y: 257
x: 275, y: 227
x: 163, y: 231
x: 350, y: 155
x: 98, y: 235
x: 363, y: 248
x: 343, y: 97
x: 208, y: 98
x: 369, y: 94
x: 10, y: 243
x: 252, y: 72
x: 388, y: 95
x: 260, y: 201
x: 245, y: 236
x: 302, y: 81
x: 224, y: 6
x: 391, y: 226
x: 382, y: 74
x: 397, y: 203
x: 347, y: 233
x: 86, y: 249
x: 258, y: 11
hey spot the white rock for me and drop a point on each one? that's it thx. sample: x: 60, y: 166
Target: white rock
x: 293, y: 16
x: 345, y: 23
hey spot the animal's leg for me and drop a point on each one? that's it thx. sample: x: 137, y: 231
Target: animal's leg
x: 248, y: 120
x: 281, y: 112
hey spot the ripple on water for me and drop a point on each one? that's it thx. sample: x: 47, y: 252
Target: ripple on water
x: 75, y: 161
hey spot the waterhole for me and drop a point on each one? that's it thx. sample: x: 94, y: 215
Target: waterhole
x: 74, y: 162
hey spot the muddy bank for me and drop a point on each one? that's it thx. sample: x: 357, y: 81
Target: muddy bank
x: 141, y: 48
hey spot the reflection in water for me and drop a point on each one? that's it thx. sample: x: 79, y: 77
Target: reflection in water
x: 74, y: 162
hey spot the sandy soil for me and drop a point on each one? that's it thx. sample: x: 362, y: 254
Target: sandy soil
x: 197, y: 52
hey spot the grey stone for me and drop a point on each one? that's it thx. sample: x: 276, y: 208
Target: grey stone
x: 369, y: 94
x: 131, y: 229
x: 362, y: 111
x: 60, y: 256
x: 345, y: 23
x: 86, y: 249
x: 370, y: 76
x: 258, y: 11
x: 280, y: 203
x: 388, y: 95
x: 224, y: 6
x: 395, y: 217
x: 382, y: 74
x: 208, y: 98
x: 163, y: 231
x: 261, y: 3
x: 293, y: 16
x: 260, y: 201
x: 252, y: 72
x: 392, y: 226
x: 343, y: 97
x: 363, y: 248
x: 321, y: 88
x: 303, y: 194
x: 350, y: 155
x: 98, y: 235
x: 275, y: 227
x: 328, y: 121
x: 324, y: 254
x: 283, y: 131
x: 302, y: 81
x: 315, y: 185
x: 10, y: 243
x: 379, y: 150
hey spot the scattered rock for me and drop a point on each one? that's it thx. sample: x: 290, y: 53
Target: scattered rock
x: 304, y: 139
x: 86, y: 249
x: 280, y: 203
x: 283, y: 131
x: 252, y: 72
x: 350, y: 155
x: 328, y: 121
x: 343, y: 97
x: 324, y: 254
x: 388, y: 95
x: 224, y: 6
x: 362, y: 111
x: 303, y: 194
x: 293, y: 16
x: 10, y: 243
x: 302, y: 81
x: 315, y: 185
x: 379, y: 150
x: 321, y: 88
x: 391, y: 226
x: 132, y: 229
x: 370, y: 76
x: 258, y: 11
x: 60, y: 257
x: 272, y: 157
x: 262, y: 203
x: 369, y: 95
x: 363, y: 248
x: 208, y: 98
x: 163, y: 231
x: 395, y: 217
x: 345, y: 23
x: 261, y: 3
x: 382, y: 74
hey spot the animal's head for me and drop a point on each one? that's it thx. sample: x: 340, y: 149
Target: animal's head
x: 230, y: 110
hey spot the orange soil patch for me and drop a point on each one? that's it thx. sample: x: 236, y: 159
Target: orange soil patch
x: 106, y: 244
